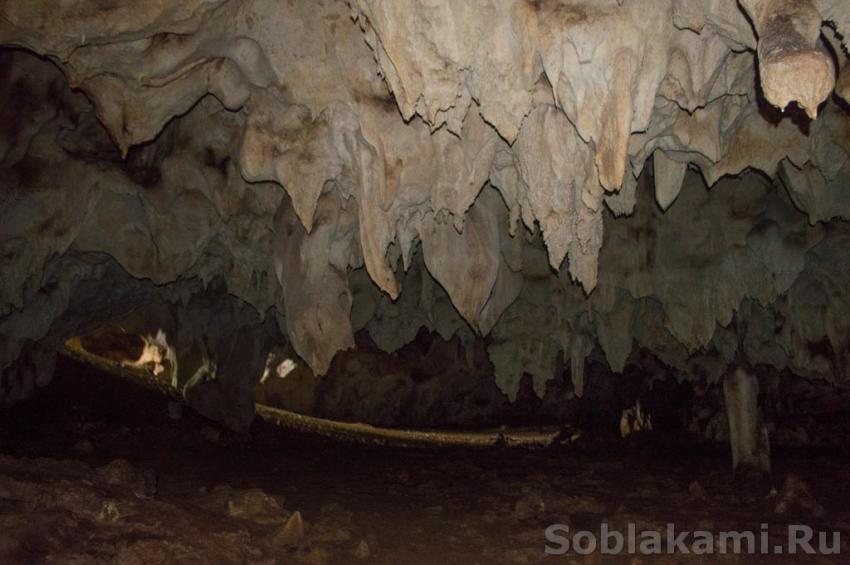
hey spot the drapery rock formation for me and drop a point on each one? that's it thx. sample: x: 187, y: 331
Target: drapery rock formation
x: 570, y: 179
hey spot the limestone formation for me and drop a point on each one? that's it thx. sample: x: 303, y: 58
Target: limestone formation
x: 567, y: 180
x: 747, y: 430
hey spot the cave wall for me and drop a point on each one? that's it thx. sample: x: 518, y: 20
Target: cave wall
x: 568, y: 179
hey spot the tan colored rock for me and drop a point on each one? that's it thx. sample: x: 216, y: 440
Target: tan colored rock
x: 316, y: 159
x: 669, y: 175
x: 791, y: 67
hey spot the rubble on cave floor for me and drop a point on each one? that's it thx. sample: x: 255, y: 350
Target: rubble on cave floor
x: 153, y: 489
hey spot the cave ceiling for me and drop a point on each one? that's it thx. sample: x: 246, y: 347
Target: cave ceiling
x: 562, y: 178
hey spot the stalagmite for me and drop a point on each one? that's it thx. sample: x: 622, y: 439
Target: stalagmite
x: 581, y: 345
x: 747, y: 431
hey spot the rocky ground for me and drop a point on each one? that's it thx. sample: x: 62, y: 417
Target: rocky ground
x: 96, y: 470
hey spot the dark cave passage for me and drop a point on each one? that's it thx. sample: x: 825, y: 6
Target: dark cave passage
x: 106, y: 467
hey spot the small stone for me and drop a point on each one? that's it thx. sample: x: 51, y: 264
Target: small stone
x: 796, y: 494
x: 120, y: 472
x: 117, y: 472
x: 291, y: 534
x: 362, y: 550
x: 84, y: 447
x: 253, y: 504
x: 109, y: 512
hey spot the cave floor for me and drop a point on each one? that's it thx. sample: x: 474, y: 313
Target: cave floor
x: 94, y: 470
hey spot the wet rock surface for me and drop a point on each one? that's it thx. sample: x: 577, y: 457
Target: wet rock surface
x: 268, y: 497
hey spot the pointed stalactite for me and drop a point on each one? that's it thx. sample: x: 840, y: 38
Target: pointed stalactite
x: 317, y: 301
x: 375, y: 224
x: 669, y: 175
x: 284, y: 143
x: 616, y: 126
x: 466, y: 263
